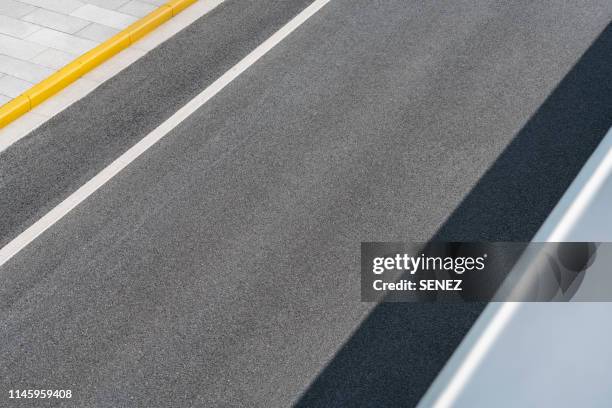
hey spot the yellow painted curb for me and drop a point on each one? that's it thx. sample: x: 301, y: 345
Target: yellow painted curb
x: 88, y: 61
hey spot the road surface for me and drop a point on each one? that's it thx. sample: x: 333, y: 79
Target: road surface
x: 220, y: 268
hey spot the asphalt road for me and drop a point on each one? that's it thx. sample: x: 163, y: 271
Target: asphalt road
x: 221, y: 267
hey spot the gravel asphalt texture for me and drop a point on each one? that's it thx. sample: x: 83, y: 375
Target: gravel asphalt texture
x: 221, y: 268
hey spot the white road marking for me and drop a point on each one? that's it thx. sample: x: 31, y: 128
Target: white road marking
x: 57, y: 213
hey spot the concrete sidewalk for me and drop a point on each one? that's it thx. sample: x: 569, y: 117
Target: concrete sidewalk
x: 38, y: 37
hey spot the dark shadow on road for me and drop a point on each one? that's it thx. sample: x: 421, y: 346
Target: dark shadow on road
x: 398, y: 350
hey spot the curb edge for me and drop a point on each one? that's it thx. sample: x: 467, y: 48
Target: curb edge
x: 68, y: 74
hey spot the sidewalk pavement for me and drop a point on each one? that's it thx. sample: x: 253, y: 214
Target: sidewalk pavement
x: 38, y: 37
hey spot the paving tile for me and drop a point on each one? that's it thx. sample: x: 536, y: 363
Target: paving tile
x: 103, y: 16
x: 61, y: 6
x: 16, y: 28
x: 18, y: 48
x: 23, y: 69
x: 107, y: 4
x: 13, y: 87
x: 137, y: 8
x: 53, y: 58
x: 56, y: 21
x: 62, y: 41
x: 97, y: 32
x: 156, y: 2
x: 4, y: 99
x: 16, y: 9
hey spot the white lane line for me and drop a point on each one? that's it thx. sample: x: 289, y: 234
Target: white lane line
x: 57, y: 213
